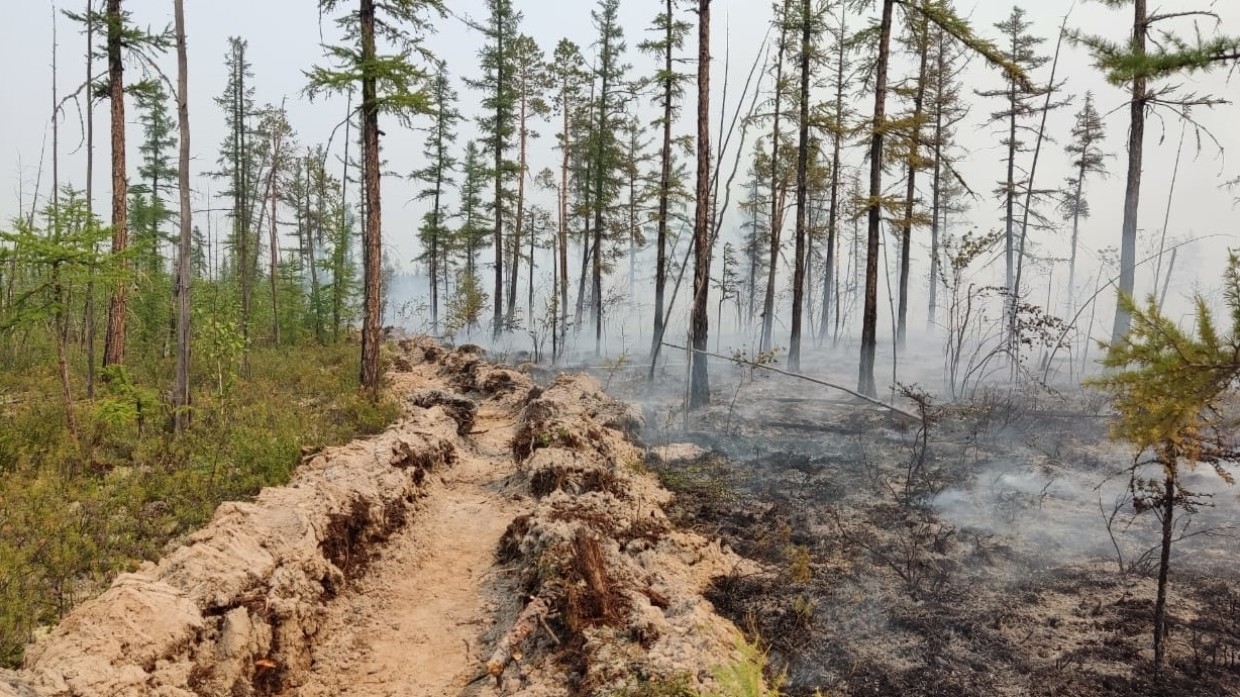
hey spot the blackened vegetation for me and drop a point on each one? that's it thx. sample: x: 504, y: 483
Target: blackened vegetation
x: 870, y: 590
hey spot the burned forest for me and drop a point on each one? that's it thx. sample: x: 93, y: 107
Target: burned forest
x: 856, y: 348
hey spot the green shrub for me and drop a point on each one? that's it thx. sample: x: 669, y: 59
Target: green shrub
x: 72, y: 517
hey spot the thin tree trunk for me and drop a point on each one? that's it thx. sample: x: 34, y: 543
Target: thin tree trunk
x: 90, y: 199
x: 523, y: 141
x: 61, y: 317
x: 339, y: 255
x: 1029, y: 187
x: 699, y: 391
x: 184, y: 279
x: 910, y: 192
x: 1164, y: 568
x: 798, y: 271
x: 114, y: 345
x: 768, y: 303
x: 1132, y: 192
x: 562, y: 282
x: 273, y: 241
x: 497, y: 321
x: 372, y: 259
x: 869, y: 324
x: 600, y: 177
x: 937, y: 186
x: 665, y: 185
x: 829, y: 281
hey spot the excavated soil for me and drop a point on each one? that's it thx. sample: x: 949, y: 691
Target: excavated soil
x: 500, y: 539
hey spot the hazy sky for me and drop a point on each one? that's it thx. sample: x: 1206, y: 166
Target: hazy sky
x: 284, y: 38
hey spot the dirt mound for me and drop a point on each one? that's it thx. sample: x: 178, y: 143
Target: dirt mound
x: 615, y: 588
x: 236, y: 609
x: 498, y: 530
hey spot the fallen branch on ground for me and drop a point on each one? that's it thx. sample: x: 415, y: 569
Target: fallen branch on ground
x: 816, y: 381
x: 530, y: 619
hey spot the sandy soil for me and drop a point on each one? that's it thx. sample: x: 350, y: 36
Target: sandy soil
x: 414, y: 624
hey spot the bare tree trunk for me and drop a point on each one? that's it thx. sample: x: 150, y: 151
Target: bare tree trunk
x: 936, y: 204
x: 829, y: 281
x: 1132, y: 193
x: 665, y: 185
x: 61, y: 316
x: 273, y: 241
x: 523, y: 142
x: 910, y: 192
x: 562, y: 282
x: 114, y: 345
x: 90, y: 199
x: 184, y: 279
x: 699, y: 391
x: 372, y: 259
x: 869, y: 322
x: 777, y: 222
x: 497, y: 322
x: 1164, y: 568
x: 798, y: 271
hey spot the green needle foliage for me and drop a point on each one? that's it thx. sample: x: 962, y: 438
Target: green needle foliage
x: 1170, y: 388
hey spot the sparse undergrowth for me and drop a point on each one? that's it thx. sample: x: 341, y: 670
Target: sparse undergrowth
x: 72, y: 517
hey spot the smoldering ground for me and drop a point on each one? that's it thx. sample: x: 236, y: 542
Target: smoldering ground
x: 992, y: 548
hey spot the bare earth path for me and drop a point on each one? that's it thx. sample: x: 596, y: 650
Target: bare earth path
x: 412, y: 625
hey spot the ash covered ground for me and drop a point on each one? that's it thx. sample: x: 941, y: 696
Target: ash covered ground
x: 990, y: 549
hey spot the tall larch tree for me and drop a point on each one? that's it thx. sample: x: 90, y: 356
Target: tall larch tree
x: 530, y: 84
x: 1020, y: 47
x: 122, y: 39
x: 1088, y: 157
x: 394, y: 84
x: 497, y: 122
x: 837, y: 123
x: 809, y: 27
x: 239, y: 168
x: 184, y: 277
x: 909, y: 144
x: 945, y: 110
x: 669, y: 39
x: 567, y: 73
x: 778, y: 172
x: 699, y: 388
x: 946, y: 19
x: 436, y: 177
x: 605, y: 160
x: 1132, y: 63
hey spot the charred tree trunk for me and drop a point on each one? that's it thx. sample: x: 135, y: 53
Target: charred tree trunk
x: 798, y: 272
x: 114, y: 343
x: 869, y: 321
x: 1164, y: 567
x: 372, y: 243
x: 699, y: 391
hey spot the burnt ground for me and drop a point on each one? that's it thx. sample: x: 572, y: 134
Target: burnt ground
x: 973, y: 561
